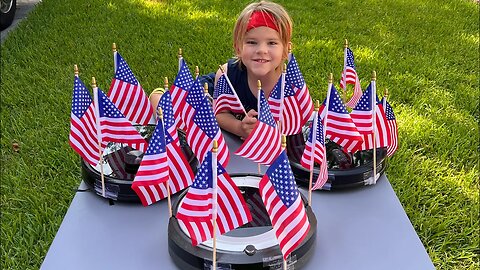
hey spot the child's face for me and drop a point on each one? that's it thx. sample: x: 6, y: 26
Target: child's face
x: 261, y: 51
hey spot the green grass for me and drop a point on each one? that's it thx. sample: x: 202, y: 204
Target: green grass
x: 425, y: 53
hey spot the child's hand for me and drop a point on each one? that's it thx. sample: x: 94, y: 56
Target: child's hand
x: 248, y: 123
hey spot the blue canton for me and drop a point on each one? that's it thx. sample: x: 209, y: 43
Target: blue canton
x: 365, y: 104
x: 205, y: 119
x: 264, y: 113
x: 123, y: 71
x: 106, y: 107
x: 282, y: 179
x: 336, y: 103
x: 195, y: 95
x: 204, y: 176
x: 294, y: 76
x: 222, y: 87
x: 389, y: 112
x: 156, y: 145
x: 81, y: 98
x: 184, y: 78
x: 350, y: 58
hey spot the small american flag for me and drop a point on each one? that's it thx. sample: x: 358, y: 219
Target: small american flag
x: 362, y: 114
x: 225, y: 98
x: 263, y: 144
x: 291, y: 118
x: 203, y: 129
x: 179, y: 91
x: 339, y: 125
x: 196, y: 209
x: 128, y: 95
x: 115, y: 127
x: 349, y: 76
x: 193, y: 99
x: 294, y: 78
x: 83, y: 128
x: 153, y: 170
x: 284, y: 204
x: 181, y: 175
x: 315, y: 152
x: 392, y: 126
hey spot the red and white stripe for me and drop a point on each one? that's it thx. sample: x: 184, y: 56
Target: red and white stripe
x: 152, y: 167
x: 263, y: 145
x: 132, y: 101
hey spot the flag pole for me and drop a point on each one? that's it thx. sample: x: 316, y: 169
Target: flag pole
x: 374, y: 116
x: 314, y: 141
x: 231, y: 87
x: 180, y: 57
x: 289, y: 51
x: 160, y: 119
x: 259, y: 86
x: 197, y: 72
x: 114, y: 50
x: 344, y: 94
x: 284, y: 145
x: 282, y: 93
x: 99, y: 135
x: 214, y: 203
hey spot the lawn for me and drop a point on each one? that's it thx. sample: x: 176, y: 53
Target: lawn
x: 424, y: 51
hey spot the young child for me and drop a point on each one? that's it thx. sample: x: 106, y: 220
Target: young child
x: 261, y: 38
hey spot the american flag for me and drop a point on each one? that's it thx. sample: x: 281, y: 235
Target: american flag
x: 181, y: 175
x: 392, y: 126
x: 116, y: 160
x: 83, y: 136
x: 196, y: 209
x: 128, y: 95
x: 382, y: 132
x: 284, y: 205
x: 263, y: 144
x: 115, y: 127
x: 193, y: 99
x: 362, y: 114
x: 291, y: 118
x: 153, y: 171
x: 225, y: 97
x: 179, y: 91
x: 349, y: 76
x: 339, y: 125
x: 294, y: 78
x: 257, y: 210
x: 315, y: 152
x: 203, y: 129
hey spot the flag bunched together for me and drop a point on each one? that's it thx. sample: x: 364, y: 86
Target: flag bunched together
x: 83, y: 136
x: 263, y: 144
x: 128, y: 95
x: 196, y: 209
x: 392, y: 126
x: 153, y: 171
x: 179, y: 91
x: 349, y: 76
x: 290, y: 109
x: 225, y: 98
x: 362, y: 114
x: 284, y: 205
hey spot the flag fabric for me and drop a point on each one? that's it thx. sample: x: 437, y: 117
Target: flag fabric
x: 362, y: 114
x: 284, y: 205
x: 263, y: 144
x: 116, y: 161
x: 202, y: 127
x: 349, y: 76
x: 180, y: 172
x: 315, y: 152
x: 382, y: 132
x: 83, y: 137
x: 196, y: 209
x: 291, y: 113
x: 193, y: 99
x: 294, y: 79
x: 153, y: 170
x: 257, y: 210
x: 392, y: 126
x: 179, y: 91
x: 128, y: 95
x: 225, y: 97
x: 114, y: 127
x: 338, y: 123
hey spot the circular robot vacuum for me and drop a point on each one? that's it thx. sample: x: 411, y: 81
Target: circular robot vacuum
x: 251, y: 246
x: 120, y: 164
x: 345, y: 170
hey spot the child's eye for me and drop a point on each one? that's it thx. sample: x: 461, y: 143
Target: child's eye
x: 272, y: 43
x: 251, y: 42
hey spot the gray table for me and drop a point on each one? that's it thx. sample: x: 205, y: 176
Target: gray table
x: 363, y: 228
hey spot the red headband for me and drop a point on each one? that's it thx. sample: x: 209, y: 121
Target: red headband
x: 261, y: 18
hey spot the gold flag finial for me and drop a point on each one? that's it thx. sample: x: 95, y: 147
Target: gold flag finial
x: 205, y: 88
x: 374, y: 75
x: 290, y: 47
x: 259, y: 84
x: 221, y: 68
x: 165, y: 83
x: 330, y: 78
x: 114, y: 47
x: 160, y: 113
x: 386, y: 93
x: 197, y: 71
x: 284, y: 67
x: 345, y: 45
x: 75, y: 69
x: 94, y: 82
x: 284, y: 141
x: 317, y: 105
x: 215, y: 146
x: 180, y: 53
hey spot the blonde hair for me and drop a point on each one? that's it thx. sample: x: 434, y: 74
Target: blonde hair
x: 281, y: 18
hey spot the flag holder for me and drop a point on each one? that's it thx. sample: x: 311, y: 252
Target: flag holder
x: 99, y: 135
x: 312, y: 155
x: 374, y: 103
